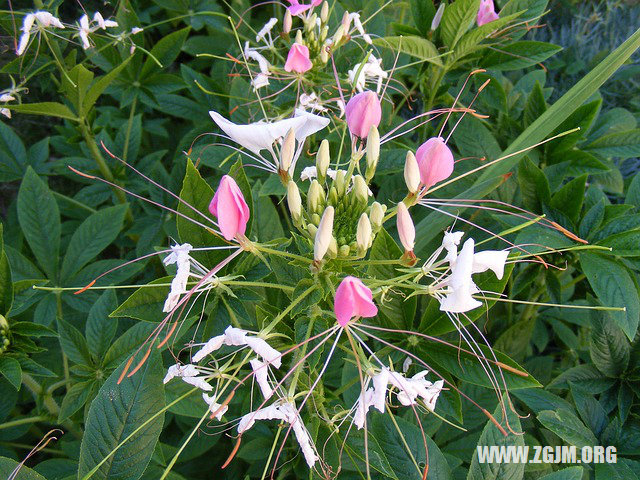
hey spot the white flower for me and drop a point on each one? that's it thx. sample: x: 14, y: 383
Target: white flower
x: 43, y: 19
x: 450, y: 243
x: 261, y: 135
x: 355, y: 18
x: 253, y: 54
x: 266, y: 30
x: 312, y: 102
x: 214, y: 406
x: 287, y: 412
x: 460, y: 286
x: 409, y: 390
x: 259, y: 81
x: 84, y: 31
x: 135, y: 30
x: 493, y: 260
x: 6, y: 112
x: 180, y: 256
x: 6, y: 97
x: 261, y: 374
x: 189, y: 374
x: 371, y: 69
x: 102, y: 23
x: 237, y: 337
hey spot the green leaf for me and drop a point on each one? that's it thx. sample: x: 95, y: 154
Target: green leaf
x: 633, y: 194
x: 471, y: 41
x: 625, y: 244
x: 423, y: 12
x: 456, y: 20
x: 608, y: 347
x: 615, y: 288
x: 101, y: 84
x: 115, y: 414
x: 165, y: 51
x: 13, y: 155
x: 40, y: 221
x: 418, y: 47
x: 145, y: 303
x: 491, y: 436
x: 100, y: 328
x: 50, y: 109
x: 570, y: 197
x: 6, y: 282
x: 11, y: 370
x: 566, y: 105
x: 468, y: 368
x: 534, y: 186
x: 518, y: 55
x: 92, y: 236
x: 570, y: 473
x: 75, y: 399
x: 568, y: 427
x: 583, y: 117
x: 8, y: 466
x: 395, y: 308
x: 73, y: 343
x: 620, y: 145
x: 535, y: 105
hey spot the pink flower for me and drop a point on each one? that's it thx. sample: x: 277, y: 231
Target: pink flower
x: 362, y: 112
x: 435, y: 161
x: 297, y: 8
x: 229, y: 207
x: 298, y: 59
x: 406, y: 229
x: 486, y: 12
x: 353, y: 299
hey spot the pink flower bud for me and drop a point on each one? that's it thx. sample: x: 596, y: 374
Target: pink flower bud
x: 435, y: 161
x: 298, y: 59
x: 363, y: 111
x: 229, y: 207
x: 486, y: 12
x: 406, y: 230
x: 353, y: 299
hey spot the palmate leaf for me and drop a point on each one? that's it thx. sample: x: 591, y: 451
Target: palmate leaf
x: 115, y: 414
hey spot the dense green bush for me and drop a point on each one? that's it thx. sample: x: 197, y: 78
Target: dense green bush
x: 108, y: 147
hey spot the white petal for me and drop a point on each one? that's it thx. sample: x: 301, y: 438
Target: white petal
x: 459, y: 301
x: 135, y: 30
x: 177, y: 370
x: 6, y: 112
x: 266, y: 351
x: 362, y: 407
x: 24, y: 41
x: 215, y: 407
x: 259, y: 81
x: 450, y: 242
x: 27, y: 22
x: 235, y: 337
x: 493, y: 260
x: 380, y: 382
x: 266, y: 29
x: 84, y: 37
x: 6, y: 97
x: 261, y: 371
x: 271, y: 412
x: 199, y: 382
x: 97, y: 17
x: 211, y: 346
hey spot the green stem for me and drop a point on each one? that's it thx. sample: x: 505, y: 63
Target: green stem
x: 183, y: 446
x: 291, y: 306
x: 65, y: 361
x: 127, y: 137
x: 273, y: 449
x: 105, y: 171
x: 273, y: 251
x: 299, y: 355
x: 23, y: 421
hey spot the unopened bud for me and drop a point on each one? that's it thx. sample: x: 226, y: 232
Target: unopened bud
x: 323, y: 158
x: 333, y: 196
x: 411, y: 173
x: 340, y: 183
x: 315, y: 197
x: 437, y: 17
x: 323, y: 33
x: 373, y: 152
x: 324, y: 54
x: 376, y: 216
x: 406, y: 229
x: 312, y: 229
x: 324, y: 235
x: 346, y: 22
x: 287, y: 150
x: 360, y: 189
x: 286, y: 23
x: 324, y: 12
x: 299, y: 37
x: 311, y: 22
x: 338, y: 35
x: 4, y: 325
x: 332, y: 251
x: 363, y: 233
x: 294, y: 201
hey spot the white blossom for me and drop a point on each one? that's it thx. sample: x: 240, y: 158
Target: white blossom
x: 42, y: 19
x: 266, y: 31
x: 135, y: 30
x: 189, y: 374
x: 237, y: 337
x: 214, y: 406
x: 180, y: 256
x: 311, y: 101
x: 6, y: 97
x: 286, y: 412
x: 253, y: 54
x: 355, y: 18
x: 259, y: 81
x: 261, y: 374
x: 6, y: 112
x: 371, y: 69
x: 460, y: 286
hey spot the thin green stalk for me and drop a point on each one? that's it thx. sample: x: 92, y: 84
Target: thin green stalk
x: 127, y: 136
x: 22, y: 421
x: 65, y: 360
x: 290, y: 307
x: 273, y: 449
x: 299, y: 355
x: 183, y: 446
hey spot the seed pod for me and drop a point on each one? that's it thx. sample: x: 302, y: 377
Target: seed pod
x: 294, y: 201
x: 324, y: 235
x: 323, y: 158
